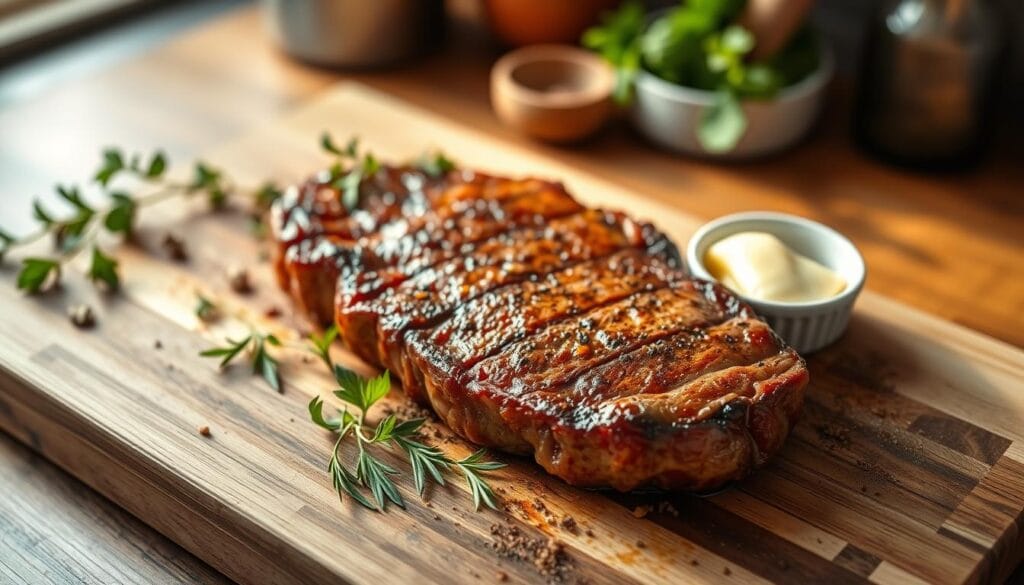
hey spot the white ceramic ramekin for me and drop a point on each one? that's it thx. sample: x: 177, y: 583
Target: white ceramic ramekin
x: 808, y: 326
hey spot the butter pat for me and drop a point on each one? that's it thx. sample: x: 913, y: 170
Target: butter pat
x: 758, y: 265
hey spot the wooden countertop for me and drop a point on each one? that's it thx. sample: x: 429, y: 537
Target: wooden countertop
x: 950, y: 245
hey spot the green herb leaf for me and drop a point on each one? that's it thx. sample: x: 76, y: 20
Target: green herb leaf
x: 203, y: 176
x: 350, y: 387
x: 617, y: 39
x: 157, y: 165
x: 424, y: 460
x: 349, y: 185
x: 322, y: 344
x: 316, y: 414
x: 208, y: 179
x: 121, y: 217
x: 41, y: 215
x: 103, y: 269
x: 408, y: 428
x: 37, y: 273
x: 229, y: 352
x: 71, y: 233
x: 384, y: 429
x: 327, y: 143
x: 737, y: 39
x: 6, y: 240
x: 113, y: 163
x: 471, y: 466
x: 267, y: 194
x: 206, y: 310
x: 722, y: 124
x: 345, y: 482
x: 374, y: 474
x: 264, y: 364
x: 377, y: 388
x: 435, y: 164
x: 72, y: 196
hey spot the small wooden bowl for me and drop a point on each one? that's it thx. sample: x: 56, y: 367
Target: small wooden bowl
x: 556, y: 93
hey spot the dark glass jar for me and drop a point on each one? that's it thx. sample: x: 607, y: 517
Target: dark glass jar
x: 927, y: 83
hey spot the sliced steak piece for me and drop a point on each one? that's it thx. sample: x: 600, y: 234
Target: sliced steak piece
x: 309, y: 268
x: 375, y: 327
x: 692, y: 410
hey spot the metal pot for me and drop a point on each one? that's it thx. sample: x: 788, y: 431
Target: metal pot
x: 355, y: 33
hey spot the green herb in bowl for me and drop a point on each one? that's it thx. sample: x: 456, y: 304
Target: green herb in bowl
x: 699, y: 45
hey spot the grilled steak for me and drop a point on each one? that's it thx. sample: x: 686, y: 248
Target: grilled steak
x: 536, y: 326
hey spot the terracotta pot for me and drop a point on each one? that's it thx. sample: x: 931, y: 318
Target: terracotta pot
x: 528, y: 22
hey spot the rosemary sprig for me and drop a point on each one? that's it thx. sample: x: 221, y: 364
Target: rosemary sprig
x: 76, y: 231
x: 371, y: 474
x: 262, y: 362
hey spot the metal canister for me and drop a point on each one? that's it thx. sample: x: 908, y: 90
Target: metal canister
x: 355, y: 33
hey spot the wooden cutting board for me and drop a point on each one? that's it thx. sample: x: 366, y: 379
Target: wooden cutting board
x: 908, y: 464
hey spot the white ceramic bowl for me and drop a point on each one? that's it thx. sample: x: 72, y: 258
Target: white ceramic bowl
x: 669, y: 114
x: 807, y: 326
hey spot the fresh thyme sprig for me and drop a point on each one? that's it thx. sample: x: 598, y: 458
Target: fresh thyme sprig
x: 369, y: 473
x: 76, y: 231
x: 263, y: 364
x: 349, y: 170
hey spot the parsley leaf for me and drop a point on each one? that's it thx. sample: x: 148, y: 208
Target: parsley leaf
x: 157, y: 165
x: 103, y: 269
x: 121, y: 216
x: 722, y: 124
x: 38, y: 273
x: 316, y: 414
x: 322, y: 344
x: 113, y: 163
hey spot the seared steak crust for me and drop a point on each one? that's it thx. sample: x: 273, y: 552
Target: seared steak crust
x: 536, y: 326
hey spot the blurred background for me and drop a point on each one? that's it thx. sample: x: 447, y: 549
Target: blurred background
x: 45, y: 41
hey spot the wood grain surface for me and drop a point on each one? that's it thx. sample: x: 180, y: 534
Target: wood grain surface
x: 53, y: 529
x: 908, y: 465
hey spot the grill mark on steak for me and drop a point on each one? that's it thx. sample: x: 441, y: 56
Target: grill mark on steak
x: 480, y: 328
x: 405, y: 199
x: 560, y: 352
x: 432, y: 294
x: 315, y: 206
x: 663, y: 369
